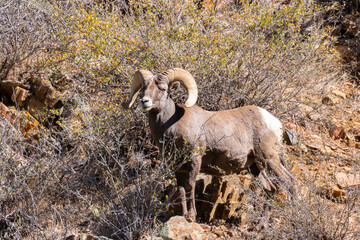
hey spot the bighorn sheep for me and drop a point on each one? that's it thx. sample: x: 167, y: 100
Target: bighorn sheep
x: 229, y: 140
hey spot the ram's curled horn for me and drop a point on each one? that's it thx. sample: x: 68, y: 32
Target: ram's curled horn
x: 186, y: 80
x: 138, y: 79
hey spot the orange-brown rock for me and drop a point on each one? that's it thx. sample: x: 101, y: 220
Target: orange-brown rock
x: 21, y: 120
x: 337, y: 132
x: 221, y: 197
x: 178, y: 228
x: 346, y: 180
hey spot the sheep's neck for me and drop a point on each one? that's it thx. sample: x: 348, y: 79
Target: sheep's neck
x: 162, y: 124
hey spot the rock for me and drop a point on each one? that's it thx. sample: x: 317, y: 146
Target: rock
x: 346, y: 180
x: 332, y: 191
x: 228, y: 197
x: 86, y: 237
x: 328, y: 100
x: 19, y: 96
x: 336, y: 192
x: 337, y: 132
x: 317, y: 144
x: 22, y: 121
x: 36, y: 108
x: 8, y: 86
x: 5, y: 112
x: 6, y: 124
x: 355, y: 132
x: 314, y: 147
x: 227, y: 201
x: 303, y: 148
x: 178, y: 228
x: 217, y: 198
x: 45, y: 92
x: 351, y: 27
x: 314, y: 116
x: 338, y: 93
x: 345, y: 52
x: 320, y: 148
x: 290, y: 137
x: 218, y: 232
x: 152, y: 238
x: 36, y: 99
x: 349, y: 142
x: 11, y: 115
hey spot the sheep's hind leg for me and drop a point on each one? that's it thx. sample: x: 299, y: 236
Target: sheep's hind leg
x: 269, y: 161
x: 268, y: 186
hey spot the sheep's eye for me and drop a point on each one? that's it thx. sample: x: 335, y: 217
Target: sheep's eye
x: 162, y: 89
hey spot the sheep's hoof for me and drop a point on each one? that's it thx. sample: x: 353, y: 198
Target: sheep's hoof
x: 190, y: 217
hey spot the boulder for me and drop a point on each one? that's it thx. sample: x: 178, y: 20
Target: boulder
x: 346, y: 180
x: 36, y: 108
x: 6, y: 124
x: 220, y: 198
x: 178, y: 228
x: 37, y: 96
x: 20, y: 96
x: 86, y: 237
x: 8, y: 86
x: 290, y: 138
x: 45, y: 92
x: 22, y: 121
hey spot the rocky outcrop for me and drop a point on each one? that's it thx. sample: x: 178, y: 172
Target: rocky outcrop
x: 220, y: 198
x: 21, y: 122
x: 34, y: 94
x: 178, y: 228
x: 217, y: 197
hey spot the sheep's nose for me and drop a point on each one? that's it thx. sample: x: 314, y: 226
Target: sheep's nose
x: 144, y: 100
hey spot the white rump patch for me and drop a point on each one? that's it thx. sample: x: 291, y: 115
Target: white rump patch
x: 272, y: 123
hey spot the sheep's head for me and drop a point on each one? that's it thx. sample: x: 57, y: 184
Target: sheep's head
x: 154, y: 89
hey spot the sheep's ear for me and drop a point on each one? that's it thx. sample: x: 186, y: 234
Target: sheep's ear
x: 174, y: 86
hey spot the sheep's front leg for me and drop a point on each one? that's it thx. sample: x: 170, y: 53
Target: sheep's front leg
x: 194, y: 170
x: 186, y: 181
x: 183, y: 201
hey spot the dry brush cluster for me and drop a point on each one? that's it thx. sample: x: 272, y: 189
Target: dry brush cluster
x: 97, y: 170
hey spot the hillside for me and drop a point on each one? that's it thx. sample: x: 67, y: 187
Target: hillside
x: 74, y: 164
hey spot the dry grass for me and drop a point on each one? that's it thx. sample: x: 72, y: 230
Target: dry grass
x: 96, y: 171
